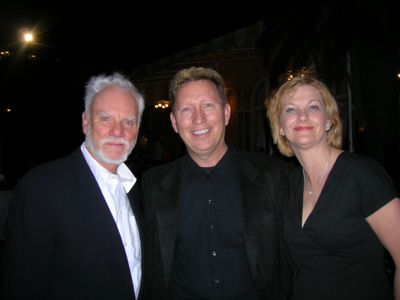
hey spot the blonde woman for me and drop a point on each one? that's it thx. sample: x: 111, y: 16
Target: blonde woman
x: 343, y: 210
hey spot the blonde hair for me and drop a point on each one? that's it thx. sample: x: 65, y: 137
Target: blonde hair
x: 274, y: 110
x: 194, y: 74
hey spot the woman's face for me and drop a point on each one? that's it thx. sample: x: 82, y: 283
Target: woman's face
x: 303, y: 119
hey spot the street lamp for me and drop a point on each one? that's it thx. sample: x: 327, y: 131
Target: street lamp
x: 28, y: 37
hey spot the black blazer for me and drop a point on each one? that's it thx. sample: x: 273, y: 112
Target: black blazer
x: 264, y: 189
x: 62, y: 241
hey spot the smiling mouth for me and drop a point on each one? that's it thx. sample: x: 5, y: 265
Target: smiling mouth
x: 303, y: 128
x: 201, y: 132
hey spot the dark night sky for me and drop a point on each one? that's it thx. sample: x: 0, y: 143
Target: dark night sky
x: 123, y: 34
x: 76, y: 40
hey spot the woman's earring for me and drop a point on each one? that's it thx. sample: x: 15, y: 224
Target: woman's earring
x: 281, y: 132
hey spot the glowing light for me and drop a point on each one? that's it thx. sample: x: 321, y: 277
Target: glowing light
x: 28, y: 37
x: 5, y: 54
x: 161, y: 104
x: 6, y: 109
x: 291, y: 74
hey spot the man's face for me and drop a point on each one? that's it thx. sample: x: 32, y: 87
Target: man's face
x: 200, y: 117
x: 111, y: 129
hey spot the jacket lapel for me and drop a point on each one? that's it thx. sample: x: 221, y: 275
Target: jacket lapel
x: 99, y: 222
x: 251, y: 185
x: 167, y: 198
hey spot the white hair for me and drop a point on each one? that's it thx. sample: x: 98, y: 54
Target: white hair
x: 98, y: 83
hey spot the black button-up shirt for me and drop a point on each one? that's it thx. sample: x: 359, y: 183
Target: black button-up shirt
x: 210, y: 258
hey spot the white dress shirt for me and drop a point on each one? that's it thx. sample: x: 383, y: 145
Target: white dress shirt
x: 114, y: 188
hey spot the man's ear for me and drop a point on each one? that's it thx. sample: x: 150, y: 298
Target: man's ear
x: 227, y: 113
x: 85, y: 123
x: 173, y: 122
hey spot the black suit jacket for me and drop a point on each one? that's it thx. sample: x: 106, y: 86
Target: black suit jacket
x: 264, y: 189
x: 62, y: 241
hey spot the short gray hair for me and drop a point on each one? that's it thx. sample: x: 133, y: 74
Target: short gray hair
x: 98, y: 83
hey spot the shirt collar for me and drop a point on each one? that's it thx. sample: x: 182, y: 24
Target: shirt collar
x: 124, y: 174
x: 220, y: 168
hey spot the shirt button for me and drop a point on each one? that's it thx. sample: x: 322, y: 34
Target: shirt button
x: 216, y: 281
x: 211, y: 227
x: 209, y: 201
x: 214, y: 253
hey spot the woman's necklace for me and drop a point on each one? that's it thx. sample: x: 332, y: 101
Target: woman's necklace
x: 309, y: 189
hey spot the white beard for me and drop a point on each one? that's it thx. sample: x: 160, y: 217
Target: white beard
x: 100, y: 155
